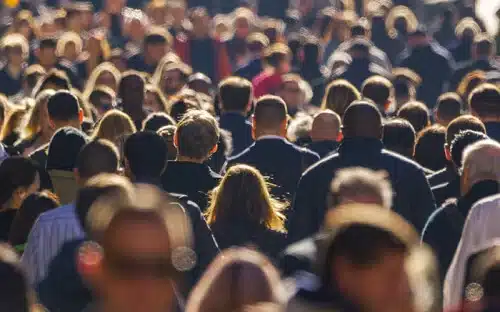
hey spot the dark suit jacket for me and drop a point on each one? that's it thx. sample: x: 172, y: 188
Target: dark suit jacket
x: 240, y: 128
x: 413, y: 197
x: 323, y: 148
x: 444, y: 175
x: 191, y: 179
x: 493, y: 130
x: 464, y: 68
x: 278, y: 159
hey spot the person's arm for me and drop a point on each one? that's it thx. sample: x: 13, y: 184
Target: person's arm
x: 422, y: 201
x: 33, y: 257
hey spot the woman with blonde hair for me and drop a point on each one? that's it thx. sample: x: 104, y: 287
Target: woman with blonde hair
x: 339, y: 95
x: 11, y: 128
x: 105, y: 74
x: 37, y: 131
x: 154, y: 100
x: 115, y: 126
x: 238, y: 280
x: 242, y: 212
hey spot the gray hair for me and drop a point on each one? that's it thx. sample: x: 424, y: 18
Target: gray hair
x: 482, y: 161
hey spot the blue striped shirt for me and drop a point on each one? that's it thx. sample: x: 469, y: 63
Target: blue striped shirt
x: 51, y: 230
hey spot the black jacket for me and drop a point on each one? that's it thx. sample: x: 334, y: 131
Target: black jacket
x: 435, y: 65
x: 493, y: 130
x: 240, y: 128
x: 444, y: 175
x: 278, y: 159
x: 446, y: 190
x: 241, y: 233
x: 192, y: 179
x: 323, y: 148
x: 413, y: 197
x: 465, y: 68
x: 444, y: 227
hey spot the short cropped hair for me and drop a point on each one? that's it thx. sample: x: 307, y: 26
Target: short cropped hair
x: 99, y: 156
x: 429, y: 151
x: 462, y: 123
x: 378, y: 89
x: 270, y: 112
x: 197, y: 134
x: 449, y: 106
x: 416, y: 113
x: 235, y: 94
x: 484, y: 100
x: 482, y: 159
x: 357, y: 182
x: 461, y: 141
x: 156, y: 121
x: 399, y: 136
x: 63, y: 106
x: 146, y: 154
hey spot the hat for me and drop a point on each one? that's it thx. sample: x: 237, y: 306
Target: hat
x: 64, y: 148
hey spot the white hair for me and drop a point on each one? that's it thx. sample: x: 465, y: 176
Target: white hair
x: 482, y: 161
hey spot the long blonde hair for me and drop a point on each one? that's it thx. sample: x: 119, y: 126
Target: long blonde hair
x: 244, y: 276
x: 244, y: 193
x: 33, y: 125
x: 105, y: 67
x: 339, y: 95
x: 114, y: 126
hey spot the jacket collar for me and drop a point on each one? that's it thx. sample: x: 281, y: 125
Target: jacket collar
x: 196, y: 168
x: 357, y: 143
x: 478, y: 191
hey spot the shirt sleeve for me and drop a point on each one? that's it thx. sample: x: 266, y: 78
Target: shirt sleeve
x: 32, y: 258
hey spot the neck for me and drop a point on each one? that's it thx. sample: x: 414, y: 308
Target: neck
x: 259, y: 135
x: 14, y: 70
x: 189, y: 159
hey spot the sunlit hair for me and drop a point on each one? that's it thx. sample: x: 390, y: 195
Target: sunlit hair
x: 423, y: 275
x: 160, y: 97
x: 33, y: 125
x: 97, y: 72
x: 15, y: 41
x: 243, y: 194
x: 467, y: 24
x: 13, y: 121
x: 169, y: 58
x: 114, y: 126
x: 66, y: 38
x: 245, y: 277
x: 400, y: 12
x: 470, y: 82
x: 339, y: 95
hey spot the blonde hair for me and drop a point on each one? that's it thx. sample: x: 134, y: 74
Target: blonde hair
x: 339, y: 95
x: 105, y: 67
x: 114, y: 126
x: 169, y: 58
x: 13, y: 121
x: 160, y: 97
x: 245, y: 277
x: 16, y: 41
x: 399, y: 12
x: 66, y: 38
x: 244, y: 192
x: 33, y: 125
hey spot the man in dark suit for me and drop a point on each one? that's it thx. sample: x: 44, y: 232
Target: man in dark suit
x: 235, y: 95
x: 361, y: 147
x: 483, y: 54
x: 196, y: 139
x: 272, y: 154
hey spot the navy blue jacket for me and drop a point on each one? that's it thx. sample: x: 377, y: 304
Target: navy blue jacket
x: 413, y: 197
x: 240, y: 128
x: 435, y: 66
x: 191, y: 179
x: 446, y: 190
x: 250, y: 70
x: 323, y: 148
x: 466, y: 67
x: 278, y: 159
x: 444, y: 175
x: 444, y: 227
x: 9, y: 85
x: 493, y: 130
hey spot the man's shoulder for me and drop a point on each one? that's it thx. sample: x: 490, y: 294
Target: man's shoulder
x: 402, y: 161
x: 62, y: 212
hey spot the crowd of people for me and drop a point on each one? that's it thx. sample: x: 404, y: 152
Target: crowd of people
x: 230, y: 156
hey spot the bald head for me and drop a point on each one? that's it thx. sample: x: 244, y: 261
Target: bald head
x: 326, y: 126
x: 362, y: 119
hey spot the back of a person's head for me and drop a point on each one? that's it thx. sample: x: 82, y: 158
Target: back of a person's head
x: 362, y: 119
x: 14, y: 289
x: 378, y: 89
x: 483, y: 102
x: 156, y: 121
x: 243, y: 197
x: 416, y: 113
x: 270, y: 112
x: 448, y: 107
x: 114, y: 125
x: 462, y: 123
x: 55, y: 79
x: 461, y: 141
x: 197, y: 135
x: 480, y: 162
x: 484, y: 45
x: 311, y: 50
x: 63, y: 107
x: 181, y: 106
x: 235, y: 94
x: 339, y: 94
x: 64, y: 148
x: 104, y: 184
x: 326, y: 126
x: 399, y: 136
x: 244, y: 276
x: 98, y: 156
x: 429, y: 151
x: 15, y: 172
x: 146, y: 155
x: 131, y: 89
x: 276, y: 53
x: 361, y: 185
x: 360, y: 28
